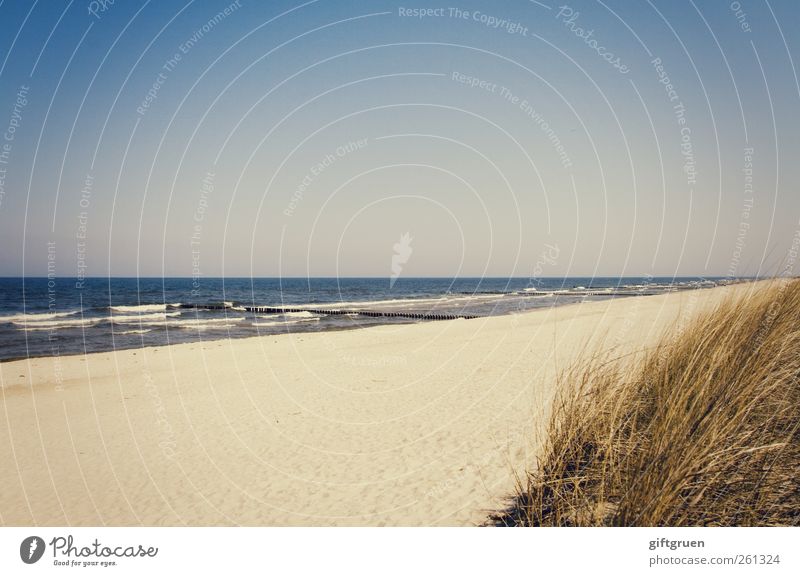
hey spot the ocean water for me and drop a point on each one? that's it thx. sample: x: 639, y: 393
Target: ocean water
x: 44, y: 317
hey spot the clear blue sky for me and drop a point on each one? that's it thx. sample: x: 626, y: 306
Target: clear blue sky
x: 294, y: 138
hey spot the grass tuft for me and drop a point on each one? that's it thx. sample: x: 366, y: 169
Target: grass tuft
x: 702, y: 430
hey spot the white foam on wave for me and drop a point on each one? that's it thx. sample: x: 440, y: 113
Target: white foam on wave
x: 204, y: 323
x: 17, y: 318
x: 203, y: 327
x: 56, y: 324
x: 299, y: 315
x: 143, y: 317
x: 142, y: 331
x: 143, y: 308
x: 283, y: 322
x: 536, y: 295
x: 172, y: 320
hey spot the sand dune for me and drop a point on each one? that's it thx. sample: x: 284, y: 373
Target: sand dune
x: 417, y: 424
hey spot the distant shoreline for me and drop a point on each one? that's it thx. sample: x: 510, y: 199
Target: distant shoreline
x: 131, y: 314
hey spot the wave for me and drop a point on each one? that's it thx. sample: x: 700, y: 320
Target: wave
x: 537, y: 294
x: 142, y: 331
x: 58, y: 324
x: 284, y: 322
x: 144, y: 308
x: 202, y: 327
x: 203, y: 323
x: 16, y: 318
x: 290, y: 315
x: 143, y: 317
x: 300, y: 315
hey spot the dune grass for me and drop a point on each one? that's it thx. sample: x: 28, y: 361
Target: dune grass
x: 702, y: 430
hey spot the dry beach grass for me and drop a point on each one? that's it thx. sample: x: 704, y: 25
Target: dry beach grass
x: 700, y: 430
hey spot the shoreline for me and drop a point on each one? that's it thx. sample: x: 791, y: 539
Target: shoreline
x: 408, y: 424
x: 341, y: 309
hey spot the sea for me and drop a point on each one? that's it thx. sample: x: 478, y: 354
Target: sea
x: 60, y: 316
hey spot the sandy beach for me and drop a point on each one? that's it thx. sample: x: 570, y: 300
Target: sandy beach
x: 420, y: 424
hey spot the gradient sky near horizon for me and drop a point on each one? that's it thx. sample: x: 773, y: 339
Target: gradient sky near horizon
x: 305, y: 138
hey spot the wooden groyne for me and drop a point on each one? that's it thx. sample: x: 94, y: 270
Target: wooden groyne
x: 334, y: 312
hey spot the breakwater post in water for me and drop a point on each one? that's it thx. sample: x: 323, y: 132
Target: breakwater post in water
x: 332, y: 312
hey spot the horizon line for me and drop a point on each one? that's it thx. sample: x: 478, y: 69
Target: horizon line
x: 122, y: 277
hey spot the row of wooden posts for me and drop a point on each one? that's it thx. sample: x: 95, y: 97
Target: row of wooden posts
x: 338, y: 312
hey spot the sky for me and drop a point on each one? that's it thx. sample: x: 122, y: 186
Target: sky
x: 325, y: 138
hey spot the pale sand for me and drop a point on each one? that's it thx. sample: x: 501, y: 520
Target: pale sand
x: 418, y: 424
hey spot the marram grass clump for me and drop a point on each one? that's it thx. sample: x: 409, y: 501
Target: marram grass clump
x: 702, y: 430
